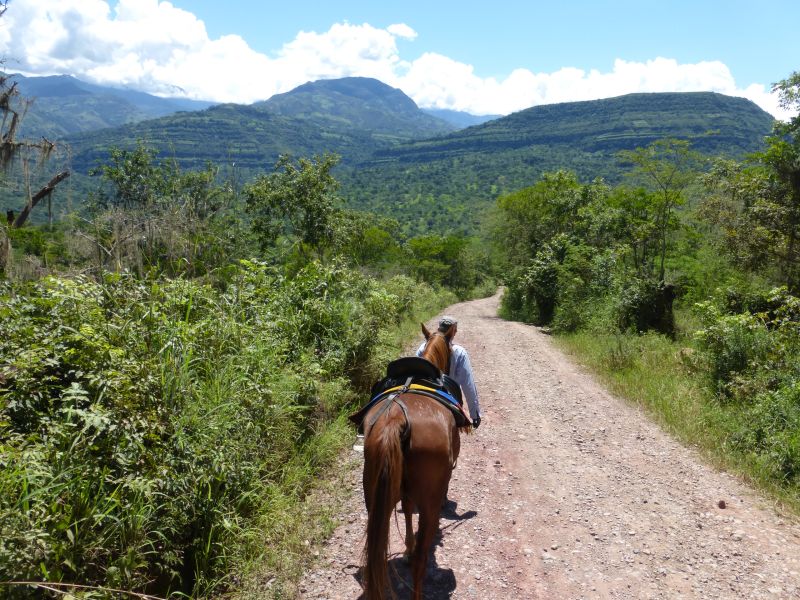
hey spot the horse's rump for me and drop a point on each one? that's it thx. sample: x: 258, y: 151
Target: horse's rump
x: 428, y: 436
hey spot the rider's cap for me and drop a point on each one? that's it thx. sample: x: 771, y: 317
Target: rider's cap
x: 447, y: 322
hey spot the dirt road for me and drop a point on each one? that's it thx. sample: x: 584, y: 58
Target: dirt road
x: 568, y: 492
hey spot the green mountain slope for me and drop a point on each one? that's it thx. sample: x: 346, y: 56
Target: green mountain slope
x: 443, y: 183
x: 353, y: 117
x: 735, y: 125
x: 360, y: 103
x: 63, y: 105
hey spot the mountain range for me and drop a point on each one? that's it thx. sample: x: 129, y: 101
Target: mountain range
x: 424, y: 167
x: 353, y: 117
x: 62, y: 105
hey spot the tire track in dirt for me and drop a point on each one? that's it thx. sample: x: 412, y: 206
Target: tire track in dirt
x: 568, y: 492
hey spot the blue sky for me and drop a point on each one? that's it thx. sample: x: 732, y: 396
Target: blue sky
x: 758, y: 40
x: 476, y: 56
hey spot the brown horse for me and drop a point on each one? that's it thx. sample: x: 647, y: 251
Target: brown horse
x: 410, y: 450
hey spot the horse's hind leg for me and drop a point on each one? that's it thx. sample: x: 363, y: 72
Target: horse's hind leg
x: 455, y: 448
x: 426, y: 532
x: 408, y: 512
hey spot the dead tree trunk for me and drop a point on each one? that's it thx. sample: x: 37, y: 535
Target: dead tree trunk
x: 42, y: 193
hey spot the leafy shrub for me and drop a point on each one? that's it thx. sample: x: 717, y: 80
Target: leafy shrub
x: 585, y: 277
x: 770, y: 431
x: 646, y: 304
x: 515, y: 303
x: 533, y: 291
x: 734, y: 344
x: 752, y: 352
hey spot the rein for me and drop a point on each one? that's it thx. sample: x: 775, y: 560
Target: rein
x: 386, y: 404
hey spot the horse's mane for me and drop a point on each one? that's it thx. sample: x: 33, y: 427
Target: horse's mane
x: 437, y: 351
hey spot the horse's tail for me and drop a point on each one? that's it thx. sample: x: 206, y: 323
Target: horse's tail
x: 383, y: 472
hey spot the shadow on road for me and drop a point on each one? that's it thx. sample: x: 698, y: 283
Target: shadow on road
x: 440, y: 583
x: 450, y: 513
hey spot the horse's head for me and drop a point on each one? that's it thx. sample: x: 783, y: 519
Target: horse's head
x: 437, y: 347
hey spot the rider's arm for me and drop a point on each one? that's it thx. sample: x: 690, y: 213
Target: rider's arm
x: 462, y: 373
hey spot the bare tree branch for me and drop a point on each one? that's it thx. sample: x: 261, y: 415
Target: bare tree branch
x: 42, y: 193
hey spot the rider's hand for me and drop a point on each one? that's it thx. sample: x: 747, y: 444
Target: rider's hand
x: 476, y: 422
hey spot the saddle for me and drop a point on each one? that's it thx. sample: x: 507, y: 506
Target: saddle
x: 422, y: 378
x: 422, y: 372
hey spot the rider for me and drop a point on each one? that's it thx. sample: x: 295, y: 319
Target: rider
x: 460, y: 369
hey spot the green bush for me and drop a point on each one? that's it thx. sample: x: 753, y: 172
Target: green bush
x: 733, y: 344
x: 515, y: 303
x: 534, y: 290
x: 645, y: 304
x: 751, y: 352
x: 585, y: 277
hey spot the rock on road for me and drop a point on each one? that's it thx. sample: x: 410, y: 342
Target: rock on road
x: 568, y: 492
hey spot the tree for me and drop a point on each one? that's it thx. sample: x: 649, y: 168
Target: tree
x: 297, y: 202
x: 533, y: 215
x: 151, y: 214
x: 631, y: 218
x: 733, y: 193
x: 788, y: 91
x: 757, y: 204
x: 442, y: 260
x: 367, y: 239
x: 782, y: 157
x: 668, y: 166
x: 13, y: 110
x: 137, y: 181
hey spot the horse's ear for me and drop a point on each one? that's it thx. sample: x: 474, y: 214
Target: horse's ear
x: 450, y: 333
x: 425, y: 331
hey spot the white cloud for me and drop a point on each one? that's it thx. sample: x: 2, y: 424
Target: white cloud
x: 402, y: 30
x: 438, y: 81
x: 344, y: 50
x: 153, y: 46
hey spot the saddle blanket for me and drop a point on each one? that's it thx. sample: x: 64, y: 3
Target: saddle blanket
x: 444, y: 398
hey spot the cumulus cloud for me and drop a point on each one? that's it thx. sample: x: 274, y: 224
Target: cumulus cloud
x: 438, y: 81
x: 155, y: 47
x: 344, y: 50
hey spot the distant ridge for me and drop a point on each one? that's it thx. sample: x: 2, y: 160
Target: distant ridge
x: 63, y: 105
x: 362, y: 102
x: 459, y: 118
x: 445, y: 182
x: 714, y: 122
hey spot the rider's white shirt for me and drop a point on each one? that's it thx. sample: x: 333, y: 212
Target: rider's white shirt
x: 461, y: 371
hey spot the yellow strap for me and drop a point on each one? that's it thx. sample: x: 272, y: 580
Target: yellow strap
x: 413, y: 386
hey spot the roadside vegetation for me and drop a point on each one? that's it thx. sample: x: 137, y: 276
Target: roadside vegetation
x: 679, y: 286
